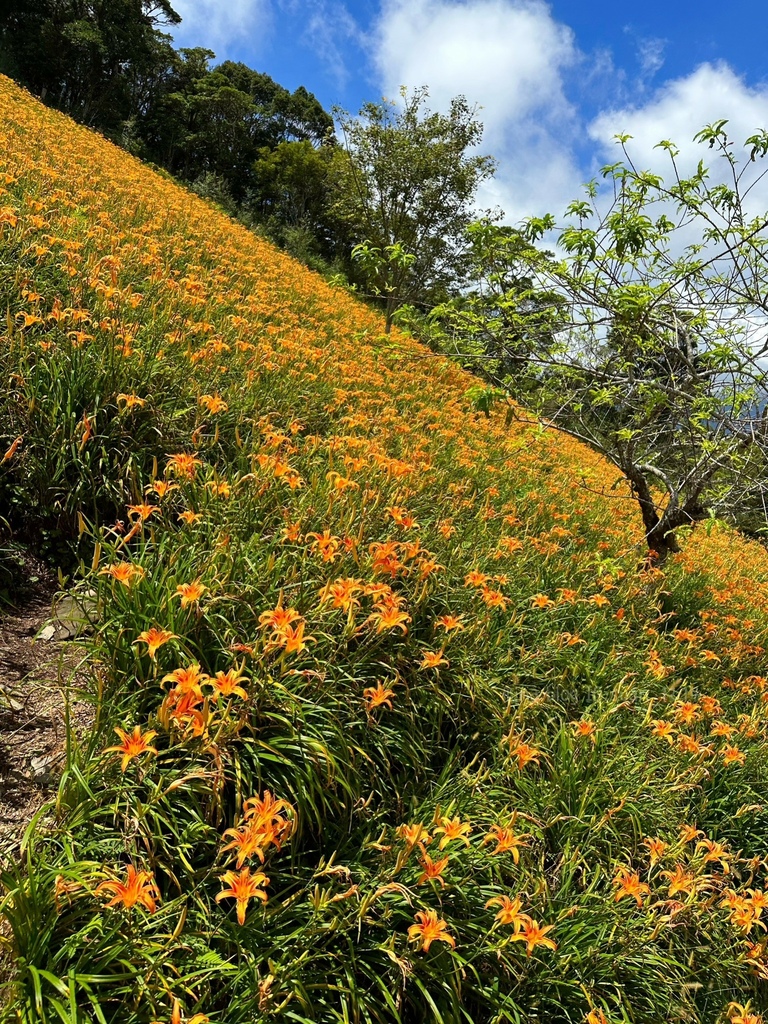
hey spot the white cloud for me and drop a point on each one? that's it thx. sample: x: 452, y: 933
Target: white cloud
x: 678, y: 110
x: 329, y: 27
x: 504, y: 54
x: 650, y: 53
x: 509, y: 57
x: 221, y: 23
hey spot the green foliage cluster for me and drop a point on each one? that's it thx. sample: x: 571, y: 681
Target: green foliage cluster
x: 644, y: 336
x: 409, y: 186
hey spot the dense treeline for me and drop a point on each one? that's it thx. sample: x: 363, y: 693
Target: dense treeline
x: 233, y: 133
x: 399, y: 183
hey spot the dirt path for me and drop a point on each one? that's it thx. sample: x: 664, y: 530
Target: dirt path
x: 34, y: 675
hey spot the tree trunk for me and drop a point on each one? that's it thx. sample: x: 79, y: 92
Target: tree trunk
x: 390, y: 312
x: 659, y: 531
x: 661, y: 542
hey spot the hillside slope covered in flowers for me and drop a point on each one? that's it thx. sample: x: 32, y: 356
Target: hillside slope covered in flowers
x: 391, y: 724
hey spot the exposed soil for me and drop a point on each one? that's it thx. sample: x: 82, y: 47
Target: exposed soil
x: 36, y: 678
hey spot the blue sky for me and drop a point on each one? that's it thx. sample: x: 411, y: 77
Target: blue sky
x: 555, y: 81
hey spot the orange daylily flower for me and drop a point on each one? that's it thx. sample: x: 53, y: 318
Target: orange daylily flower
x: 453, y: 828
x: 13, y: 448
x: 124, y: 572
x: 656, y: 849
x: 524, y: 753
x: 266, y: 807
x: 759, y: 901
x: 628, y: 883
x: 655, y: 665
x: 507, y: 841
x: 542, y: 601
x: 596, y: 1016
x: 389, y: 616
x: 86, y: 424
x: 278, y: 618
x: 326, y: 545
x: 686, y: 712
x: 220, y: 488
x: 738, y: 1014
x: 509, y: 546
x: 510, y: 912
x: 177, y: 1018
x: 433, y: 869
x: 143, y: 511
x: 183, y: 465
x: 433, y: 659
x: 664, y: 730
x: 584, y: 728
x: 64, y: 888
x: 154, y: 638
x: 716, y: 852
x: 732, y: 899
x: 292, y: 639
x: 711, y: 706
x: 132, y: 744
x: 265, y: 823
x: 248, y: 842
x: 680, y: 880
x: 213, y: 403
x: 187, y: 680
x: 413, y: 834
x: 227, y: 684
x: 721, y: 729
x: 428, y: 929
x: 131, y: 401
x: 494, y: 598
x: 449, y: 622
x: 342, y: 593
x: 292, y: 532
x: 571, y: 640
x: 690, y: 745
x: 377, y: 696
x: 689, y: 833
x: 182, y: 708
x: 243, y: 887
x: 732, y: 755
x: 190, y: 593
x: 685, y: 636
x: 161, y: 488
x: 743, y: 917
x: 532, y: 934
x: 138, y: 887
x: 341, y: 483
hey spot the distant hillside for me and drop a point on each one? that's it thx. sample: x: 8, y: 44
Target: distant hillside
x: 391, y: 722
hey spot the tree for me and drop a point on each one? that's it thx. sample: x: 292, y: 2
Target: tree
x: 84, y: 56
x: 291, y: 197
x: 218, y: 121
x: 407, y: 186
x: 502, y: 317
x: 660, y: 361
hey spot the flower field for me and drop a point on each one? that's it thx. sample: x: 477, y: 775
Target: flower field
x: 392, y: 724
